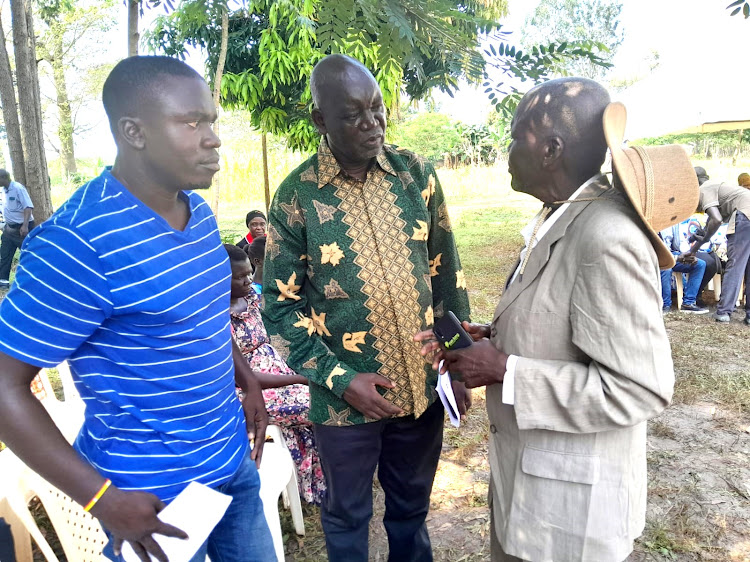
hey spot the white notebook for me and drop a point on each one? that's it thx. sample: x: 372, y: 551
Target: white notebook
x: 445, y: 391
x: 197, y: 510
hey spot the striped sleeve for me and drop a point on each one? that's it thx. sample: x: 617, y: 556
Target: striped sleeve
x: 59, y: 298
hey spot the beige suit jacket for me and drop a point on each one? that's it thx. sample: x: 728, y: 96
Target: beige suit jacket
x: 569, y: 459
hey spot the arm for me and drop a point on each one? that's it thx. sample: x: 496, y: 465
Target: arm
x: 46, y: 338
x: 449, y: 286
x: 268, y: 380
x: 256, y: 417
x: 713, y: 224
x: 615, y: 321
x: 288, y: 313
x: 24, y: 230
x: 28, y: 430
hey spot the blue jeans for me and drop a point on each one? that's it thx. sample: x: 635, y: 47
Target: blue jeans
x: 242, y: 535
x: 695, y: 276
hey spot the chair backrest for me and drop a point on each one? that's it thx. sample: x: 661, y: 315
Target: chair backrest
x: 80, y: 534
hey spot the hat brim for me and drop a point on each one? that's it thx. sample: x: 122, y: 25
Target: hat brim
x: 615, y: 117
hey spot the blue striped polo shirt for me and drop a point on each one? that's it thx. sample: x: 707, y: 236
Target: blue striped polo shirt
x: 141, y: 313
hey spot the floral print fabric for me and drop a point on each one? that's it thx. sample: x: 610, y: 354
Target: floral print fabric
x: 288, y: 406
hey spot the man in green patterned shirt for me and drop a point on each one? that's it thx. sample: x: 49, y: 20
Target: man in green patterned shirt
x: 359, y: 258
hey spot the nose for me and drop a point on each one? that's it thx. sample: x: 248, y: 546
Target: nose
x: 211, y: 140
x: 368, y: 121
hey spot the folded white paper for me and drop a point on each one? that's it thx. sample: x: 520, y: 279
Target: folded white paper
x: 197, y: 510
x: 445, y: 391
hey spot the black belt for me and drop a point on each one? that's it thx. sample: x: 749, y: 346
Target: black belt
x: 13, y: 225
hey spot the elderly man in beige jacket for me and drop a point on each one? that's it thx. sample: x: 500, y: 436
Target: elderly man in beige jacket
x: 577, y: 357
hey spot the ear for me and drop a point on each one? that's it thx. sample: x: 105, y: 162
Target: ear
x: 552, y: 152
x: 319, y: 120
x: 131, y: 131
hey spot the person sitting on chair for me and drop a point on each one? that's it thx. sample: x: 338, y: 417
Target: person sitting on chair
x: 285, y: 392
x: 256, y: 252
x: 694, y: 267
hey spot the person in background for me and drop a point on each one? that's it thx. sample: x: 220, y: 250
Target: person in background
x: 17, y: 214
x: 720, y: 201
x: 360, y: 255
x: 256, y: 251
x: 256, y: 226
x: 687, y: 232
x: 285, y: 392
x: 694, y: 268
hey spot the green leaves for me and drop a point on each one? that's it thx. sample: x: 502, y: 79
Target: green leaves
x: 538, y: 65
x: 740, y: 6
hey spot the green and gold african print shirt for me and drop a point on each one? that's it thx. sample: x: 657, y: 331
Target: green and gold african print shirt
x: 353, y: 270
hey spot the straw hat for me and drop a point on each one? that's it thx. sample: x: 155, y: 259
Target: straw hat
x: 659, y: 180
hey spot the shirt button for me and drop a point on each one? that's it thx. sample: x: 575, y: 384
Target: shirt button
x: 493, y: 429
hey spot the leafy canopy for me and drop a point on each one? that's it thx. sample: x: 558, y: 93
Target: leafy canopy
x: 410, y: 45
x: 274, y: 44
x: 596, y: 21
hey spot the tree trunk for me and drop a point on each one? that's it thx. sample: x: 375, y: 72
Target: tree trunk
x: 37, y: 178
x: 133, y: 35
x: 10, y: 113
x: 737, y: 152
x: 217, y: 96
x: 266, y: 184
x: 65, y: 127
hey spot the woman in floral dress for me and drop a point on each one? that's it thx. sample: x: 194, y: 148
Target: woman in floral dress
x: 285, y: 392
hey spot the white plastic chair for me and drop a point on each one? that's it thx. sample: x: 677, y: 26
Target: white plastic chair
x: 290, y: 495
x: 278, y: 476
x: 80, y: 534
x: 81, y: 537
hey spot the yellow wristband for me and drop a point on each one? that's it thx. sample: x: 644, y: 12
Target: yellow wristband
x: 98, y: 495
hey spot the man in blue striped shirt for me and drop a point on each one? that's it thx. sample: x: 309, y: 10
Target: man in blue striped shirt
x: 128, y: 281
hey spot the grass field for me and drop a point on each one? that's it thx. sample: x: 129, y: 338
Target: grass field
x: 699, y: 448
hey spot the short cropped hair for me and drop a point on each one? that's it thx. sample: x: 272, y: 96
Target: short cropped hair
x: 134, y: 80
x: 256, y: 250
x: 236, y: 254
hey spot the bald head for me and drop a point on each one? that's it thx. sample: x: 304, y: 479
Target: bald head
x: 334, y: 71
x: 571, y: 110
x: 349, y: 111
x: 4, y: 178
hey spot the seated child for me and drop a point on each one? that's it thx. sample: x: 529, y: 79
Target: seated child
x: 256, y: 251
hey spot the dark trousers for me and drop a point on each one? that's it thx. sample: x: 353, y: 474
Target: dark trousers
x: 10, y: 241
x: 738, y: 266
x: 406, y: 452
x: 712, y: 267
